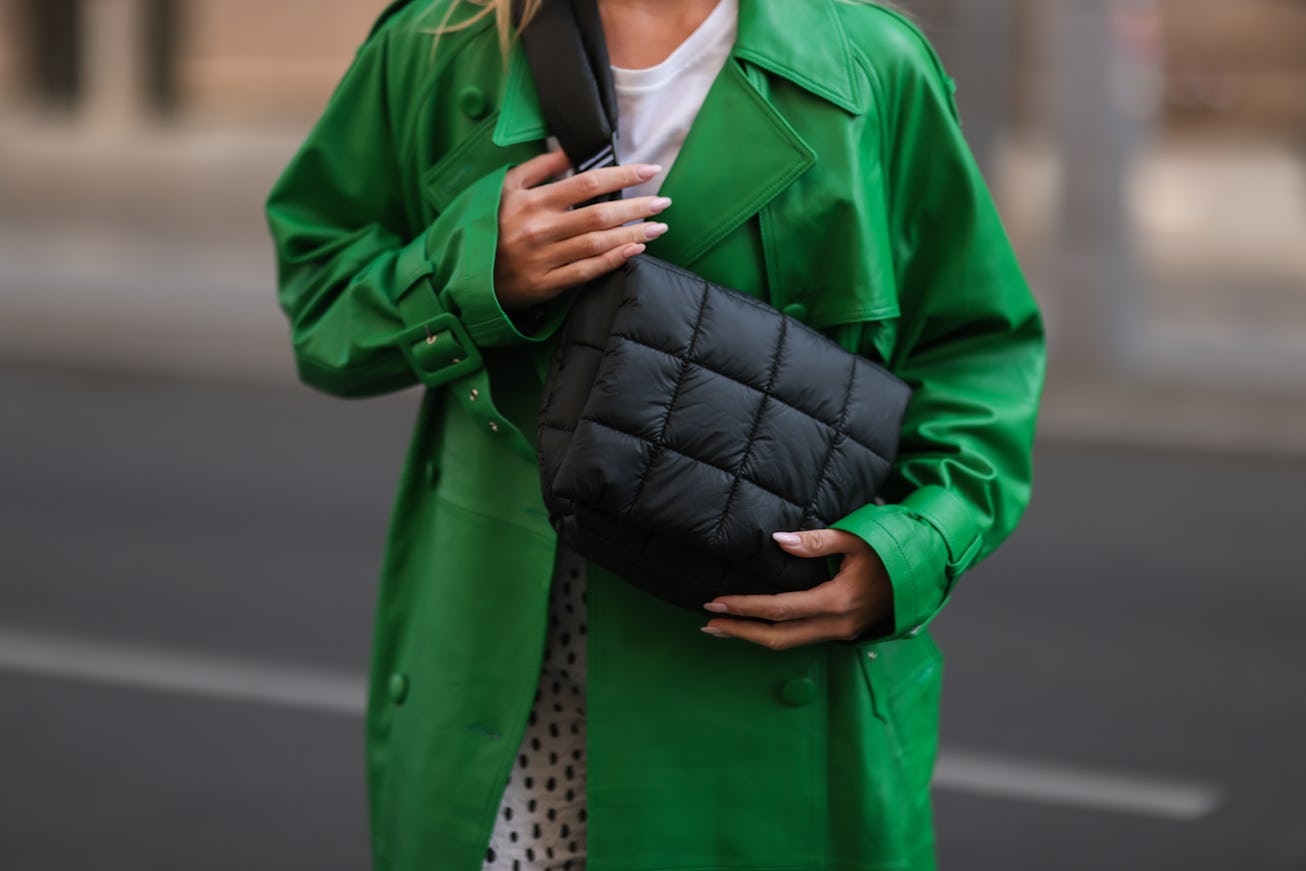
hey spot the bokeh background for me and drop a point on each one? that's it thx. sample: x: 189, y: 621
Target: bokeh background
x: 189, y: 540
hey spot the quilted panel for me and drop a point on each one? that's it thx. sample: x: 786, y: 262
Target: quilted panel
x: 708, y: 421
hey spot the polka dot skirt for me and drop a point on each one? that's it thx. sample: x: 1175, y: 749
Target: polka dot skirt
x: 541, y: 820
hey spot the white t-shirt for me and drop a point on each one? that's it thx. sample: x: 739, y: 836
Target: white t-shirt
x: 656, y: 105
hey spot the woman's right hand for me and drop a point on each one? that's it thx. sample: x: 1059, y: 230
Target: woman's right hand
x: 546, y: 246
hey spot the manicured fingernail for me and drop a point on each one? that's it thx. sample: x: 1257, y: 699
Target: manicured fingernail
x: 787, y: 537
x: 652, y: 231
x: 648, y: 171
x: 659, y: 204
x: 716, y: 607
x: 712, y: 630
x: 632, y: 250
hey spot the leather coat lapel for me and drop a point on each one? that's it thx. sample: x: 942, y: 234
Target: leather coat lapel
x: 739, y: 154
x: 520, y: 116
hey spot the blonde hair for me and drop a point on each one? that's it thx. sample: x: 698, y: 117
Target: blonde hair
x: 502, y: 10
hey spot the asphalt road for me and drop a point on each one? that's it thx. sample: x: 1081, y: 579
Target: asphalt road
x: 1123, y: 683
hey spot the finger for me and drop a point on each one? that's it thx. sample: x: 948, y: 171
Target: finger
x: 819, y: 542
x: 797, y: 605
x: 590, y: 268
x: 596, y: 182
x: 604, y: 216
x: 595, y: 244
x: 537, y: 170
x: 782, y: 636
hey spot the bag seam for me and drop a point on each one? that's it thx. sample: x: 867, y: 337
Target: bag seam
x: 752, y: 438
x: 659, y: 443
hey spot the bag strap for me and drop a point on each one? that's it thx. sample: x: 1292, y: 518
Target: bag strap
x: 568, y: 58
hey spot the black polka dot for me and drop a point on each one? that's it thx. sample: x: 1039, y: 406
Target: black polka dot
x: 552, y: 750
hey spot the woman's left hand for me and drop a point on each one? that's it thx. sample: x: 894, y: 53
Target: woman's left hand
x: 857, y: 598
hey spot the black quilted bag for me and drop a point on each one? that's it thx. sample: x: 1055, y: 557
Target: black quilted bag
x: 682, y: 422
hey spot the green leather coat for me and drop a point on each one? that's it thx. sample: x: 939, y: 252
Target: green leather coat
x: 825, y: 173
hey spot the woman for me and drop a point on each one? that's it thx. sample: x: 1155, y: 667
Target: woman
x: 423, y: 237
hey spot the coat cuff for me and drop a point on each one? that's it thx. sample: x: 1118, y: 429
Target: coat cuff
x: 472, y: 287
x: 925, y: 542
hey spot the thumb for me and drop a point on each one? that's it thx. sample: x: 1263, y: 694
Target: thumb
x: 810, y: 542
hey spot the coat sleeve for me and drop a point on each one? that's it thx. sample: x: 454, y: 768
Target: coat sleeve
x: 375, y: 304
x: 970, y: 342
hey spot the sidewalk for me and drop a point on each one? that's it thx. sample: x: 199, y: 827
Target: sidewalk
x: 148, y: 254
x: 143, y: 252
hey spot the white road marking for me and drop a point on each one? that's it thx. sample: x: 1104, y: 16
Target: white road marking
x: 179, y: 672
x: 1044, y: 783
x: 337, y: 692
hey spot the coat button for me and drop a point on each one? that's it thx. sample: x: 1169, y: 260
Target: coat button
x: 798, y: 691
x: 795, y: 310
x: 472, y: 102
x: 398, y: 688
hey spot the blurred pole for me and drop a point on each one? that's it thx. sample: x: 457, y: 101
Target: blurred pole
x: 1096, y: 269
x: 162, y: 31
x: 974, y: 38
x: 116, y: 65
x: 50, y: 32
x: 981, y: 52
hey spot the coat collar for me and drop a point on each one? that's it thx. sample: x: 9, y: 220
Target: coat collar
x: 800, y: 40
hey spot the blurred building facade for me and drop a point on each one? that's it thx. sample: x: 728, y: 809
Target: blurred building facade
x: 1148, y: 156
x: 250, y: 60
x: 1239, y: 64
